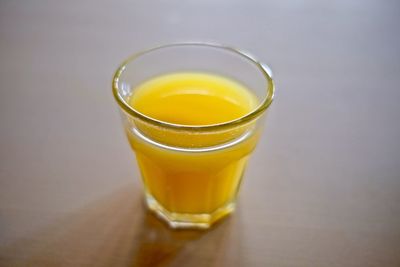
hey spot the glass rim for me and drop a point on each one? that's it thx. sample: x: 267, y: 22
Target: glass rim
x: 267, y: 100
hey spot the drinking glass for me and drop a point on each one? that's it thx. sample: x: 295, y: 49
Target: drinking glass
x: 192, y: 173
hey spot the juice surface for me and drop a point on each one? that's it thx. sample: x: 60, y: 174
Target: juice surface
x: 192, y: 99
x: 192, y: 181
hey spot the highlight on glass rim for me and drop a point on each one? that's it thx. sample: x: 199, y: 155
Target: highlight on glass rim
x: 193, y: 113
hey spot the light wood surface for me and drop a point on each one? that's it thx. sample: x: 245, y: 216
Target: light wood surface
x: 322, y: 188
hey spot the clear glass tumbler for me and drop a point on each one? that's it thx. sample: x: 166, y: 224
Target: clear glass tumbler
x: 192, y: 173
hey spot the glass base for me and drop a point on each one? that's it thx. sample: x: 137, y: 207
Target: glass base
x: 188, y: 220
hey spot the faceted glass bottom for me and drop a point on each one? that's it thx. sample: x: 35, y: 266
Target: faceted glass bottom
x: 188, y: 220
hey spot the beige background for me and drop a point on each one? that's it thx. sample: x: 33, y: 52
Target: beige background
x: 322, y: 189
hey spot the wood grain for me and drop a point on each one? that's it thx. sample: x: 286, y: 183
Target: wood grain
x: 322, y: 188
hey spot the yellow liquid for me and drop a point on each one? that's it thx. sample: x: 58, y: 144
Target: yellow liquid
x: 192, y: 180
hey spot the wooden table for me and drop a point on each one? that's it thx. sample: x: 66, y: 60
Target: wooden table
x: 322, y: 189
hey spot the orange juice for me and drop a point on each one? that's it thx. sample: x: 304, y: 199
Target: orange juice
x: 192, y: 173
